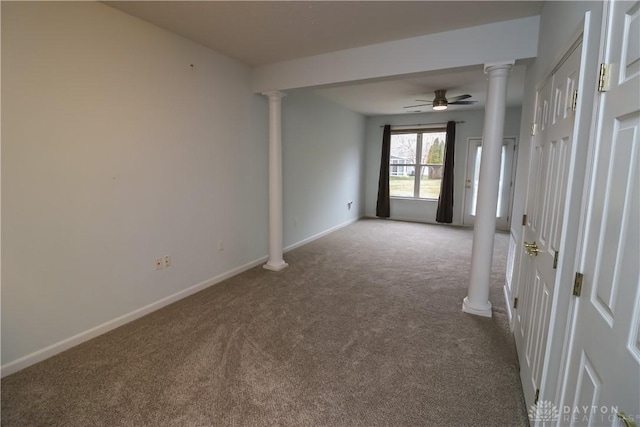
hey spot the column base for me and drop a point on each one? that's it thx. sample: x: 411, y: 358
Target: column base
x: 275, y: 267
x: 482, y: 310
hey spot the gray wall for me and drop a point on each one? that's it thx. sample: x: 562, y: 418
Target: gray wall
x: 323, y: 156
x: 425, y: 210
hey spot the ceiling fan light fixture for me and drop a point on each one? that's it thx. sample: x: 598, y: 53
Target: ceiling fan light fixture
x: 439, y: 104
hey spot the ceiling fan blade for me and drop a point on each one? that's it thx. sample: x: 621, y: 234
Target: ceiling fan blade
x: 419, y: 105
x: 462, y: 102
x: 459, y: 98
x: 425, y: 100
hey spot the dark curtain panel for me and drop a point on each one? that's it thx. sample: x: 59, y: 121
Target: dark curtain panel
x: 383, y: 207
x: 445, y: 201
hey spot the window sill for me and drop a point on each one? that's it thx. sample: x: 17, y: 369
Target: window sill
x: 413, y: 199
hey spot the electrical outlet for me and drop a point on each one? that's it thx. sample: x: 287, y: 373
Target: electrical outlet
x: 159, y: 263
x: 167, y: 261
x: 221, y: 245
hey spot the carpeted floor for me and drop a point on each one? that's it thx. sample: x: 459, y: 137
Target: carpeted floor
x: 364, y: 328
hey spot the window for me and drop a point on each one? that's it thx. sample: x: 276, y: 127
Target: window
x: 416, y: 165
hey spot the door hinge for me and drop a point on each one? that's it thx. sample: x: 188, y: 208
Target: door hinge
x: 524, y: 219
x: 574, y: 100
x: 555, y: 260
x: 515, y: 303
x: 537, y: 396
x: 603, y: 78
x: 577, y: 284
x: 534, y: 129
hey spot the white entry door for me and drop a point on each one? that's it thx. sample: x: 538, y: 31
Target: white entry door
x: 603, y: 368
x: 546, y: 194
x: 505, y: 186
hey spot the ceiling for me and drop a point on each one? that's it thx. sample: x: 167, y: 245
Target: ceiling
x: 264, y: 32
x: 391, y: 96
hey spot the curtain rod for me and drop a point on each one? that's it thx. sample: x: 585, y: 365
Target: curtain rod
x: 424, y: 124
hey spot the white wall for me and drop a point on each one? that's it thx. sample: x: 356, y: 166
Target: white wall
x: 116, y: 151
x: 425, y: 210
x: 323, y: 157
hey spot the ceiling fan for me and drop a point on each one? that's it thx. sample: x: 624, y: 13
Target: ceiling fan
x: 440, y: 102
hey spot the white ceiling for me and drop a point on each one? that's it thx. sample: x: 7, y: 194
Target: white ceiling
x: 264, y: 32
x: 391, y: 96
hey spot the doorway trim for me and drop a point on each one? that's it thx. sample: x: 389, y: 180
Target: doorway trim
x: 514, y: 167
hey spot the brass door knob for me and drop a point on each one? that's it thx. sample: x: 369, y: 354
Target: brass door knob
x: 531, y: 248
x: 626, y: 420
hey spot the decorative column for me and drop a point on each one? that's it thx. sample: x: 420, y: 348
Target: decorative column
x: 275, y: 262
x: 477, y: 300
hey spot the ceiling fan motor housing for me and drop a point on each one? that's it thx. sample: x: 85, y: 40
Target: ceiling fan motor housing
x: 441, y: 94
x: 440, y: 102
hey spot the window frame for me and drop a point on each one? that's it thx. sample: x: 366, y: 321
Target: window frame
x: 418, y: 166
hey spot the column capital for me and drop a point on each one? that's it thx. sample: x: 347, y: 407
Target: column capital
x: 274, y: 94
x: 499, y: 65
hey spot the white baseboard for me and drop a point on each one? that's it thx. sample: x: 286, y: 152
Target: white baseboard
x: 319, y: 235
x: 507, y: 303
x: 53, y: 349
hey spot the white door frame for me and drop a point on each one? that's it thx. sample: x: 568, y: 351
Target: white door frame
x: 514, y: 167
x: 554, y: 359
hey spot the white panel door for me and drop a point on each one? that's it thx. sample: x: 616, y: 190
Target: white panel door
x: 604, y: 359
x: 505, y: 185
x: 545, y: 206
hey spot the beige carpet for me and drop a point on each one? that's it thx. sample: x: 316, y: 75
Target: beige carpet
x: 363, y: 329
